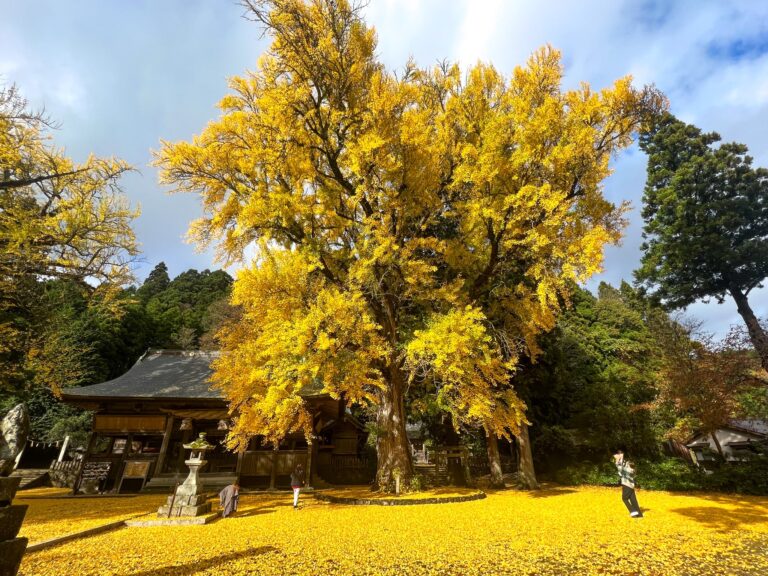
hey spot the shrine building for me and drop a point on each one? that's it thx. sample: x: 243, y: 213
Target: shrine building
x: 142, y: 419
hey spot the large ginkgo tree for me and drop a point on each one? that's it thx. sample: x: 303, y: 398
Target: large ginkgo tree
x: 410, y: 233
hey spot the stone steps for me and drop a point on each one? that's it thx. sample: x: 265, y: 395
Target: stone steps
x: 31, y: 477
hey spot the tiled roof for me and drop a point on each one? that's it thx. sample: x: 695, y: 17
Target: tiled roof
x: 158, y: 374
x: 165, y: 374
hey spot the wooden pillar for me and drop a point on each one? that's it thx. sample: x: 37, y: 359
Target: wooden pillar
x: 273, y: 472
x: 88, y: 448
x: 164, y: 446
x: 310, y: 463
x: 125, y: 456
x: 185, y: 439
x: 239, y: 468
x: 63, y: 450
x: 464, y: 455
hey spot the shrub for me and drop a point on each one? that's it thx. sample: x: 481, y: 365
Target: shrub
x: 673, y: 474
x: 669, y: 474
x: 603, y: 474
x: 750, y: 477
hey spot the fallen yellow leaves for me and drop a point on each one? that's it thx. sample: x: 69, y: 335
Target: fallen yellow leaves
x: 365, y: 493
x: 58, y: 515
x: 555, y: 531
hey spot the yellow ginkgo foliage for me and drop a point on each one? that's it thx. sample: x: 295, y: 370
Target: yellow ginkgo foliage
x: 415, y: 231
x: 58, y: 219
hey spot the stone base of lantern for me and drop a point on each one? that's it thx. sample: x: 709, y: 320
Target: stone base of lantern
x: 184, y: 510
x: 178, y: 521
x: 181, y: 505
x: 11, y: 552
x: 11, y: 548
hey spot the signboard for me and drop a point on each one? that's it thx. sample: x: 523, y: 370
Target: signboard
x: 138, y: 469
x: 92, y: 475
x: 97, y: 470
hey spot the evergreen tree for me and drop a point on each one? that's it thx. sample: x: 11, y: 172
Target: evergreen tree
x: 706, y: 221
x: 593, y: 386
x: 157, y: 281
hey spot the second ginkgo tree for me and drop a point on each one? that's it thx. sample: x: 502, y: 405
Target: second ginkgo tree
x: 414, y: 232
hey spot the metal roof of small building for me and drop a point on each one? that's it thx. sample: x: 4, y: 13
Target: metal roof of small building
x: 756, y: 426
x: 158, y: 374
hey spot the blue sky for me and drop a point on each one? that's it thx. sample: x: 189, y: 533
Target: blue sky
x: 119, y: 76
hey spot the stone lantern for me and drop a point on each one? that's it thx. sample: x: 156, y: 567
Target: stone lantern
x: 189, y: 499
x: 14, y: 429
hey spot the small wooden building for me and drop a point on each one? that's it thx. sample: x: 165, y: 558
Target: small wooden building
x: 142, y: 419
x: 736, y: 441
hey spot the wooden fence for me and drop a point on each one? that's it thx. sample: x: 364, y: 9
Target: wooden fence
x: 346, y: 468
x: 64, y: 474
x: 271, y: 468
x: 259, y: 463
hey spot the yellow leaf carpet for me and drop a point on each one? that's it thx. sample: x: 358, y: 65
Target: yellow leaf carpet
x: 554, y: 531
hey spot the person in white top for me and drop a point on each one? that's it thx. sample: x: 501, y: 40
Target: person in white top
x: 626, y: 471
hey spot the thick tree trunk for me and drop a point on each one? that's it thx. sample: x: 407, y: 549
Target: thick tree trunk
x: 756, y: 333
x: 525, y: 460
x: 392, y: 447
x: 494, y: 460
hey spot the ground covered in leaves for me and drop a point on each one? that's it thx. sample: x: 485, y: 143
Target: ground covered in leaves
x: 52, y: 513
x: 554, y: 531
x: 365, y: 493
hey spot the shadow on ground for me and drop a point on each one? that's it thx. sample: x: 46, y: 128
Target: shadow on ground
x: 727, y: 513
x: 724, y: 519
x: 258, y: 510
x: 194, y: 566
x: 547, y: 492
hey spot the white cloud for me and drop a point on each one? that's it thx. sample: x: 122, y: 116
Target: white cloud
x: 479, y: 28
x: 69, y: 91
x: 158, y: 73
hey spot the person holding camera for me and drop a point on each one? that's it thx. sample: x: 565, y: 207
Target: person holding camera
x: 626, y: 471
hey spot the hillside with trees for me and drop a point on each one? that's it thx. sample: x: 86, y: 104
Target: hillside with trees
x: 82, y: 340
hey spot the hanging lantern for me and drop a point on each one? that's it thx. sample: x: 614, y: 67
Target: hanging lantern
x: 186, y: 424
x: 223, y: 425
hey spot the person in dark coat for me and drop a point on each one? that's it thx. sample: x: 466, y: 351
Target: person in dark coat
x: 228, y: 499
x: 297, y: 481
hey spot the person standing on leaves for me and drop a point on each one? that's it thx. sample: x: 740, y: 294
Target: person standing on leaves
x: 228, y: 499
x: 297, y: 481
x: 627, y: 478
